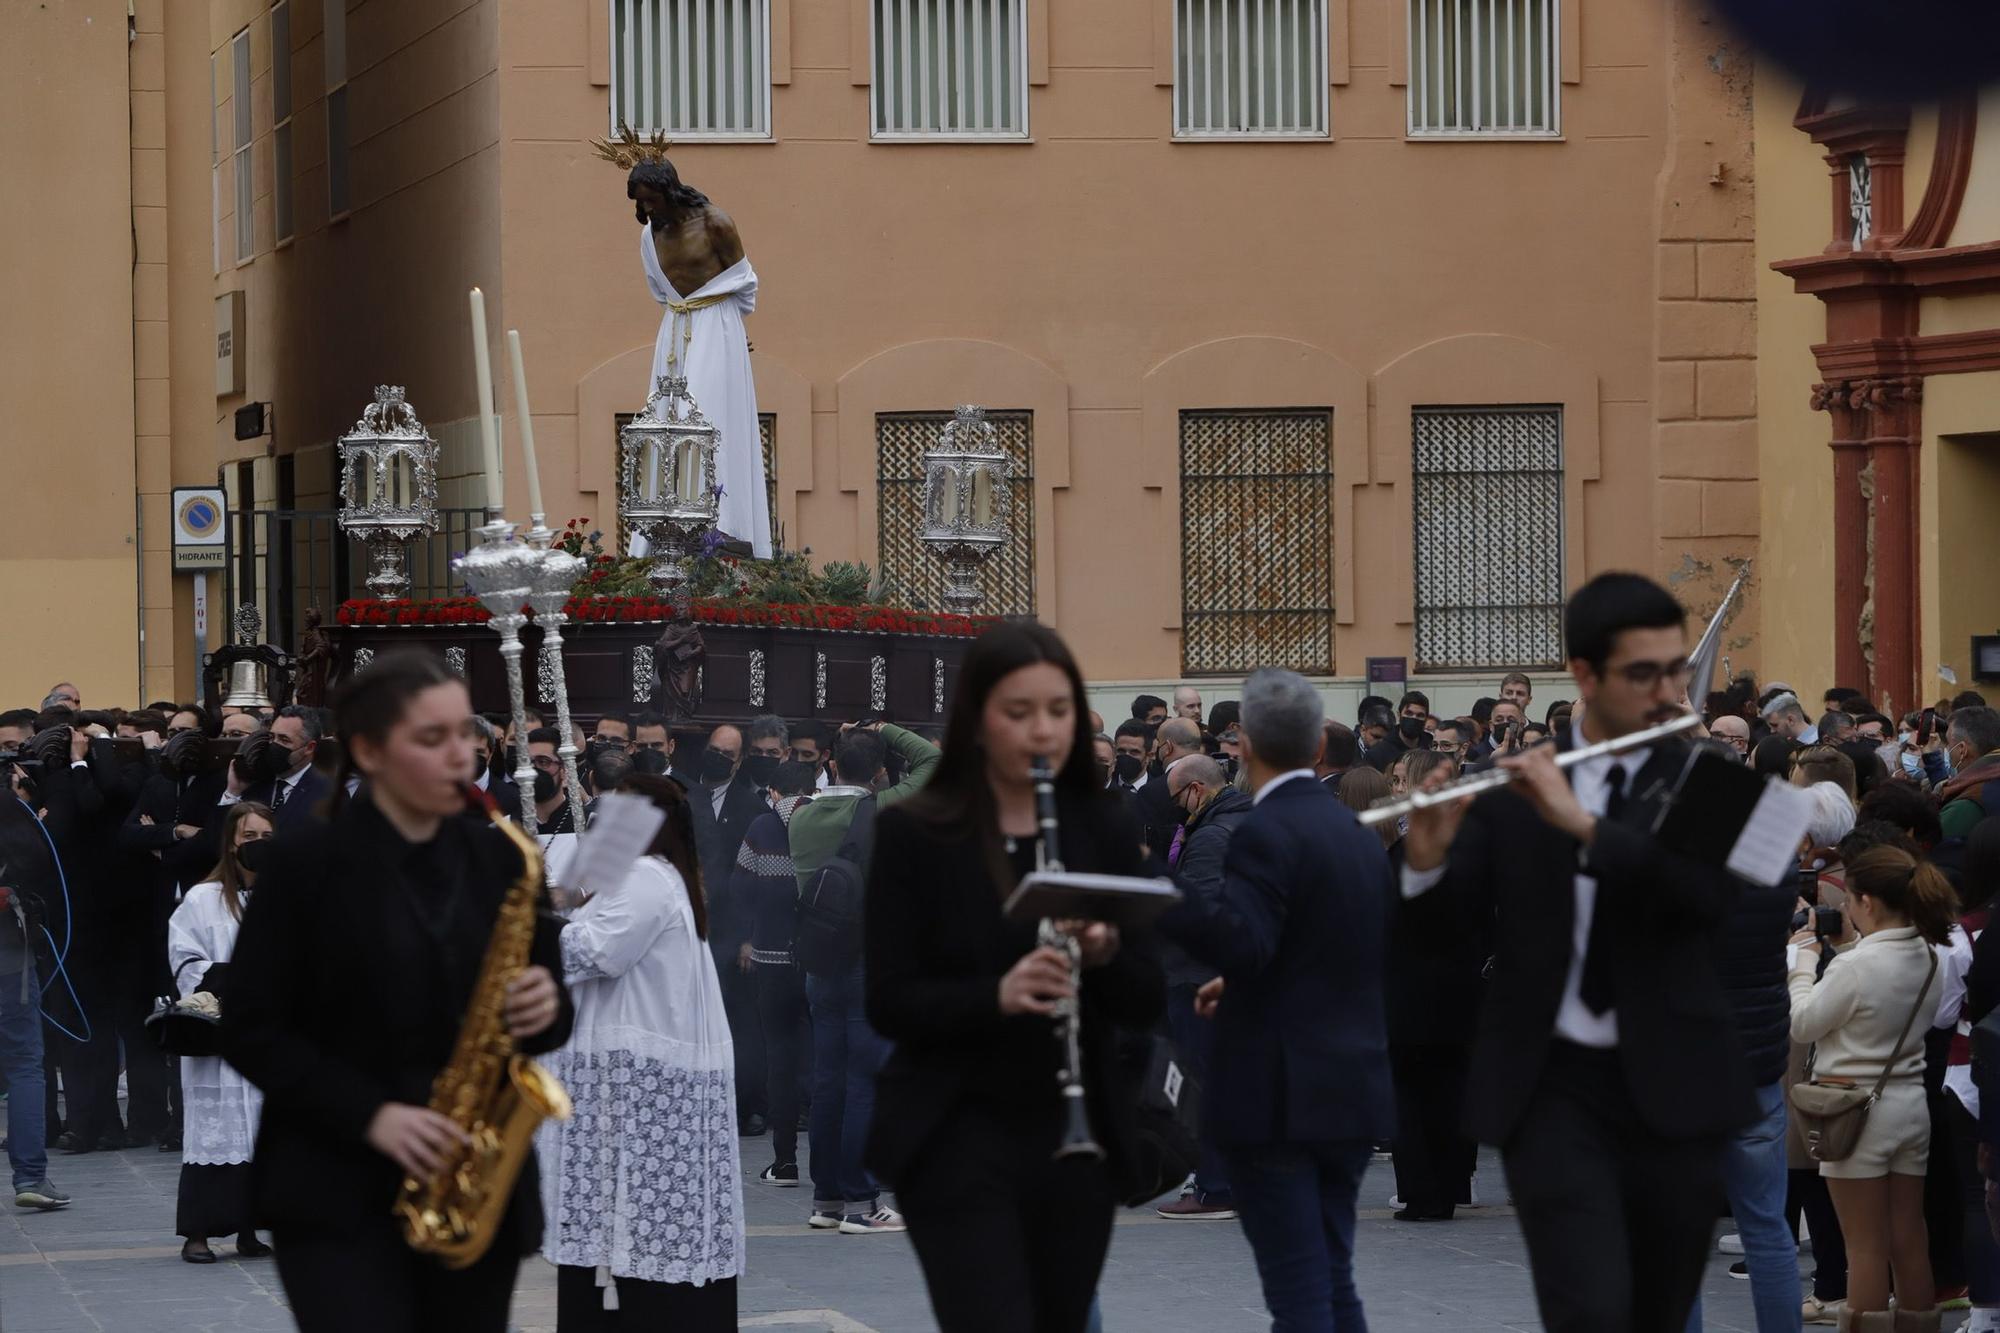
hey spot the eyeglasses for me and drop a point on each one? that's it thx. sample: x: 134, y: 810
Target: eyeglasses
x: 1646, y: 675
x: 548, y: 763
x: 612, y: 742
x: 1740, y: 742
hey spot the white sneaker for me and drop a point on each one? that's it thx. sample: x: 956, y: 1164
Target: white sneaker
x: 882, y: 1219
x: 1396, y: 1201
x: 1729, y: 1242
x: 824, y: 1220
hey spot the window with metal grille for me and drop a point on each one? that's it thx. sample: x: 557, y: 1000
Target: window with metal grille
x: 694, y: 68
x: 956, y: 68
x: 1485, y: 68
x: 339, y: 198
x: 239, y: 106
x: 767, y: 440
x: 1249, y: 68
x: 1257, y: 540
x: 1008, y: 578
x: 1487, y: 490
x: 281, y: 118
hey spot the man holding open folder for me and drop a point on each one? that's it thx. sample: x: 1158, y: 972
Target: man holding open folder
x: 1606, y: 1066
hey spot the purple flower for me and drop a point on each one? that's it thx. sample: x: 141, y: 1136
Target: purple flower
x: 711, y: 542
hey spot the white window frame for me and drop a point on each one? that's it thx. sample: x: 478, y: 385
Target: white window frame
x: 627, y: 69
x: 1019, y: 86
x: 242, y: 128
x: 1420, y: 15
x: 333, y: 45
x: 1251, y: 36
x: 214, y: 162
x: 284, y: 222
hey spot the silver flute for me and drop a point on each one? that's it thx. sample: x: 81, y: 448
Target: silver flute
x: 1076, y: 1137
x: 1500, y: 777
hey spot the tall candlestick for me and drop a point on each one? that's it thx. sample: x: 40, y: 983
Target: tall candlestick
x: 489, y: 439
x: 535, y: 509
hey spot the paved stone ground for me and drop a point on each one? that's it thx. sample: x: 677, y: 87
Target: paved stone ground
x: 110, y: 1264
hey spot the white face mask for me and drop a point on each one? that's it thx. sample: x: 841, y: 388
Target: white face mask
x: 1912, y: 765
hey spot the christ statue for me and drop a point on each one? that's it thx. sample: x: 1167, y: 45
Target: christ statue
x: 696, y: 269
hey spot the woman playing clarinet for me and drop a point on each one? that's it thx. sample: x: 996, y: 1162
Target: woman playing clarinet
x: 969, y: 1112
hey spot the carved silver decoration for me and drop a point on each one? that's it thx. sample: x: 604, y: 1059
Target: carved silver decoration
x: 249, y: 622
x: 388, y: 487
x: 246, y: 676
x: 363, y: 658
x: 966, y: 498
x: 554, y: 572
x: 454, y: 658
x: 819, y: 680
x: 500, y: 571
x: 642, y: 674
x: 701, y: 680
x: 1860, y: 199
x: 669, y: 494
x: 756, y: 677
x: 937, y: 685
x: 878, y: 682
x: 545, y: 675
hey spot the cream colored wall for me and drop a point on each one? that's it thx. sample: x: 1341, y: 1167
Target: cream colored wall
x: 1958, y: 537
x: 1100, y: 251
x: 1979, y: 215
x: 69, y: 569
x: 1796, y: 568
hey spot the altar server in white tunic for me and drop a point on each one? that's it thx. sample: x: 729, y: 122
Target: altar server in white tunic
x: 641, y: 1184
x: 221, y: 1105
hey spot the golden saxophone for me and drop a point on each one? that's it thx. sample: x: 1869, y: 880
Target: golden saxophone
x: 495, y: 1095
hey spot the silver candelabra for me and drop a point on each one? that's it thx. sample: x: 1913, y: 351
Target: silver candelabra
x: 501, y: 572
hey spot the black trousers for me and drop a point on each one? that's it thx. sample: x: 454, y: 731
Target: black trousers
x: 781, y: 1007
x: 214, y: 1201
x: 746, y: 1030
x: 1434, y: 1156
x: 653, y: 1306
x: 1011, y: 1240
x: 1807, y: 1190
x: 370, y: 1279
x: 1618, y: 1221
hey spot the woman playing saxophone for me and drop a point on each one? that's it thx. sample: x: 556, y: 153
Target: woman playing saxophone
x: 355, y: 970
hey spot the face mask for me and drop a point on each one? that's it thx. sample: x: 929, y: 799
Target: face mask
x: 1913, y: 765
x: 716, y: 767
x: 761, y: 768
x: 545, y: 786
x: 254, y: 856
x: 1228, y: 768
x: 1127, y: 767
x: 1103, y: 773
x: 504, y: 761
x: 1411, y: 729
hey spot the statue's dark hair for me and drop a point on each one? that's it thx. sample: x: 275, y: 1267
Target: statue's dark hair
x: 661, y: 176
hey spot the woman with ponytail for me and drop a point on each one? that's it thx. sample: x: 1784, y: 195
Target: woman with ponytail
x: 350, y: 980
x: 1868, y: 1012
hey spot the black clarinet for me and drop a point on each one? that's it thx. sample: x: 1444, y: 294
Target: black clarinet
x: 1076, y: 1138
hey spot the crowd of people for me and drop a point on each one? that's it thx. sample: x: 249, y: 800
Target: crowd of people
x: 814, y: 942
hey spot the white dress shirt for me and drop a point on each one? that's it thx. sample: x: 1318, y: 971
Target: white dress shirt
x: 1276, y: 782
x: 1591, y: 781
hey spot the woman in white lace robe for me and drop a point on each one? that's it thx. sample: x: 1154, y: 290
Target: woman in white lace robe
x: 641, y: 1185
x: 221, y: 1105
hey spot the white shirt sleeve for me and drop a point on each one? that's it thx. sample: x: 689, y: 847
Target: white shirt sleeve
x: 1416, y: 882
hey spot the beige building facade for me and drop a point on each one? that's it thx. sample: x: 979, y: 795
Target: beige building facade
x: 1321, y: 330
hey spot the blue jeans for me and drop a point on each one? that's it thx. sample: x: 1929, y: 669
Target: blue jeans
x: 1297, y: 1205
x: 1753, y: 1174
x: 21, y: 1067
x: 847, y: 1054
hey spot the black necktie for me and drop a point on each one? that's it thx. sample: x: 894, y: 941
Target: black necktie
x: 1598, y: 989
x: 278, y: 795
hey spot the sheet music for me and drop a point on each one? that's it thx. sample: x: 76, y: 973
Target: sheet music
x: 1767, y: 848
x: 621, y: 830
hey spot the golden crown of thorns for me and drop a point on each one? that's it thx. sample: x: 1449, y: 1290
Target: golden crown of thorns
x: 627, y: 150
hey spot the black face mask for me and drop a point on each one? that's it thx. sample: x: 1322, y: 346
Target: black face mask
x: 1103, y: 773
x: 1128, y: 767
x: 761, y: 768
x: 716, y: 767
x: 1411, y: 729
x: 545, y: 786
x: 1228, y: 768
x: 254, y: 856
x: 503, y: 762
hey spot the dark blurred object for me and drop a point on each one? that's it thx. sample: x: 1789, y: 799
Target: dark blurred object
x: 1916, y: 50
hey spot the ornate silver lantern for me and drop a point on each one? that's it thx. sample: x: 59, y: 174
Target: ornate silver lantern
x: 666, y: 461
x: 553, y: 575
x: 388, y: 487
x: 965, y: 503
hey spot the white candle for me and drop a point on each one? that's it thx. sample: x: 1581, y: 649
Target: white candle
x: 982, y: 498
x: 535, y: 509
x: 489, y: 439
x: 948, y: 498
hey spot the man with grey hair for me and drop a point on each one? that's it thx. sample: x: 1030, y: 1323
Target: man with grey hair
x: 1176, y: 739
x: 1787, y: 717
x: 1300, y: 1092
x: 1187, y: 704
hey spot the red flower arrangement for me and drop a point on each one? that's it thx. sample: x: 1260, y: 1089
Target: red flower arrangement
x: 602, y: 610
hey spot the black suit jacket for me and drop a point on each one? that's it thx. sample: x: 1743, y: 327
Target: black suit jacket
x: 172, y: 801
x: 345, y: 994
x: 936, y: 946
x: 302, y: 806
x: 1435, y: 966
x: 1677, y: 1041
x: 717, y: 839
x: 1156, y: 810
x: 1301, y: 1050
